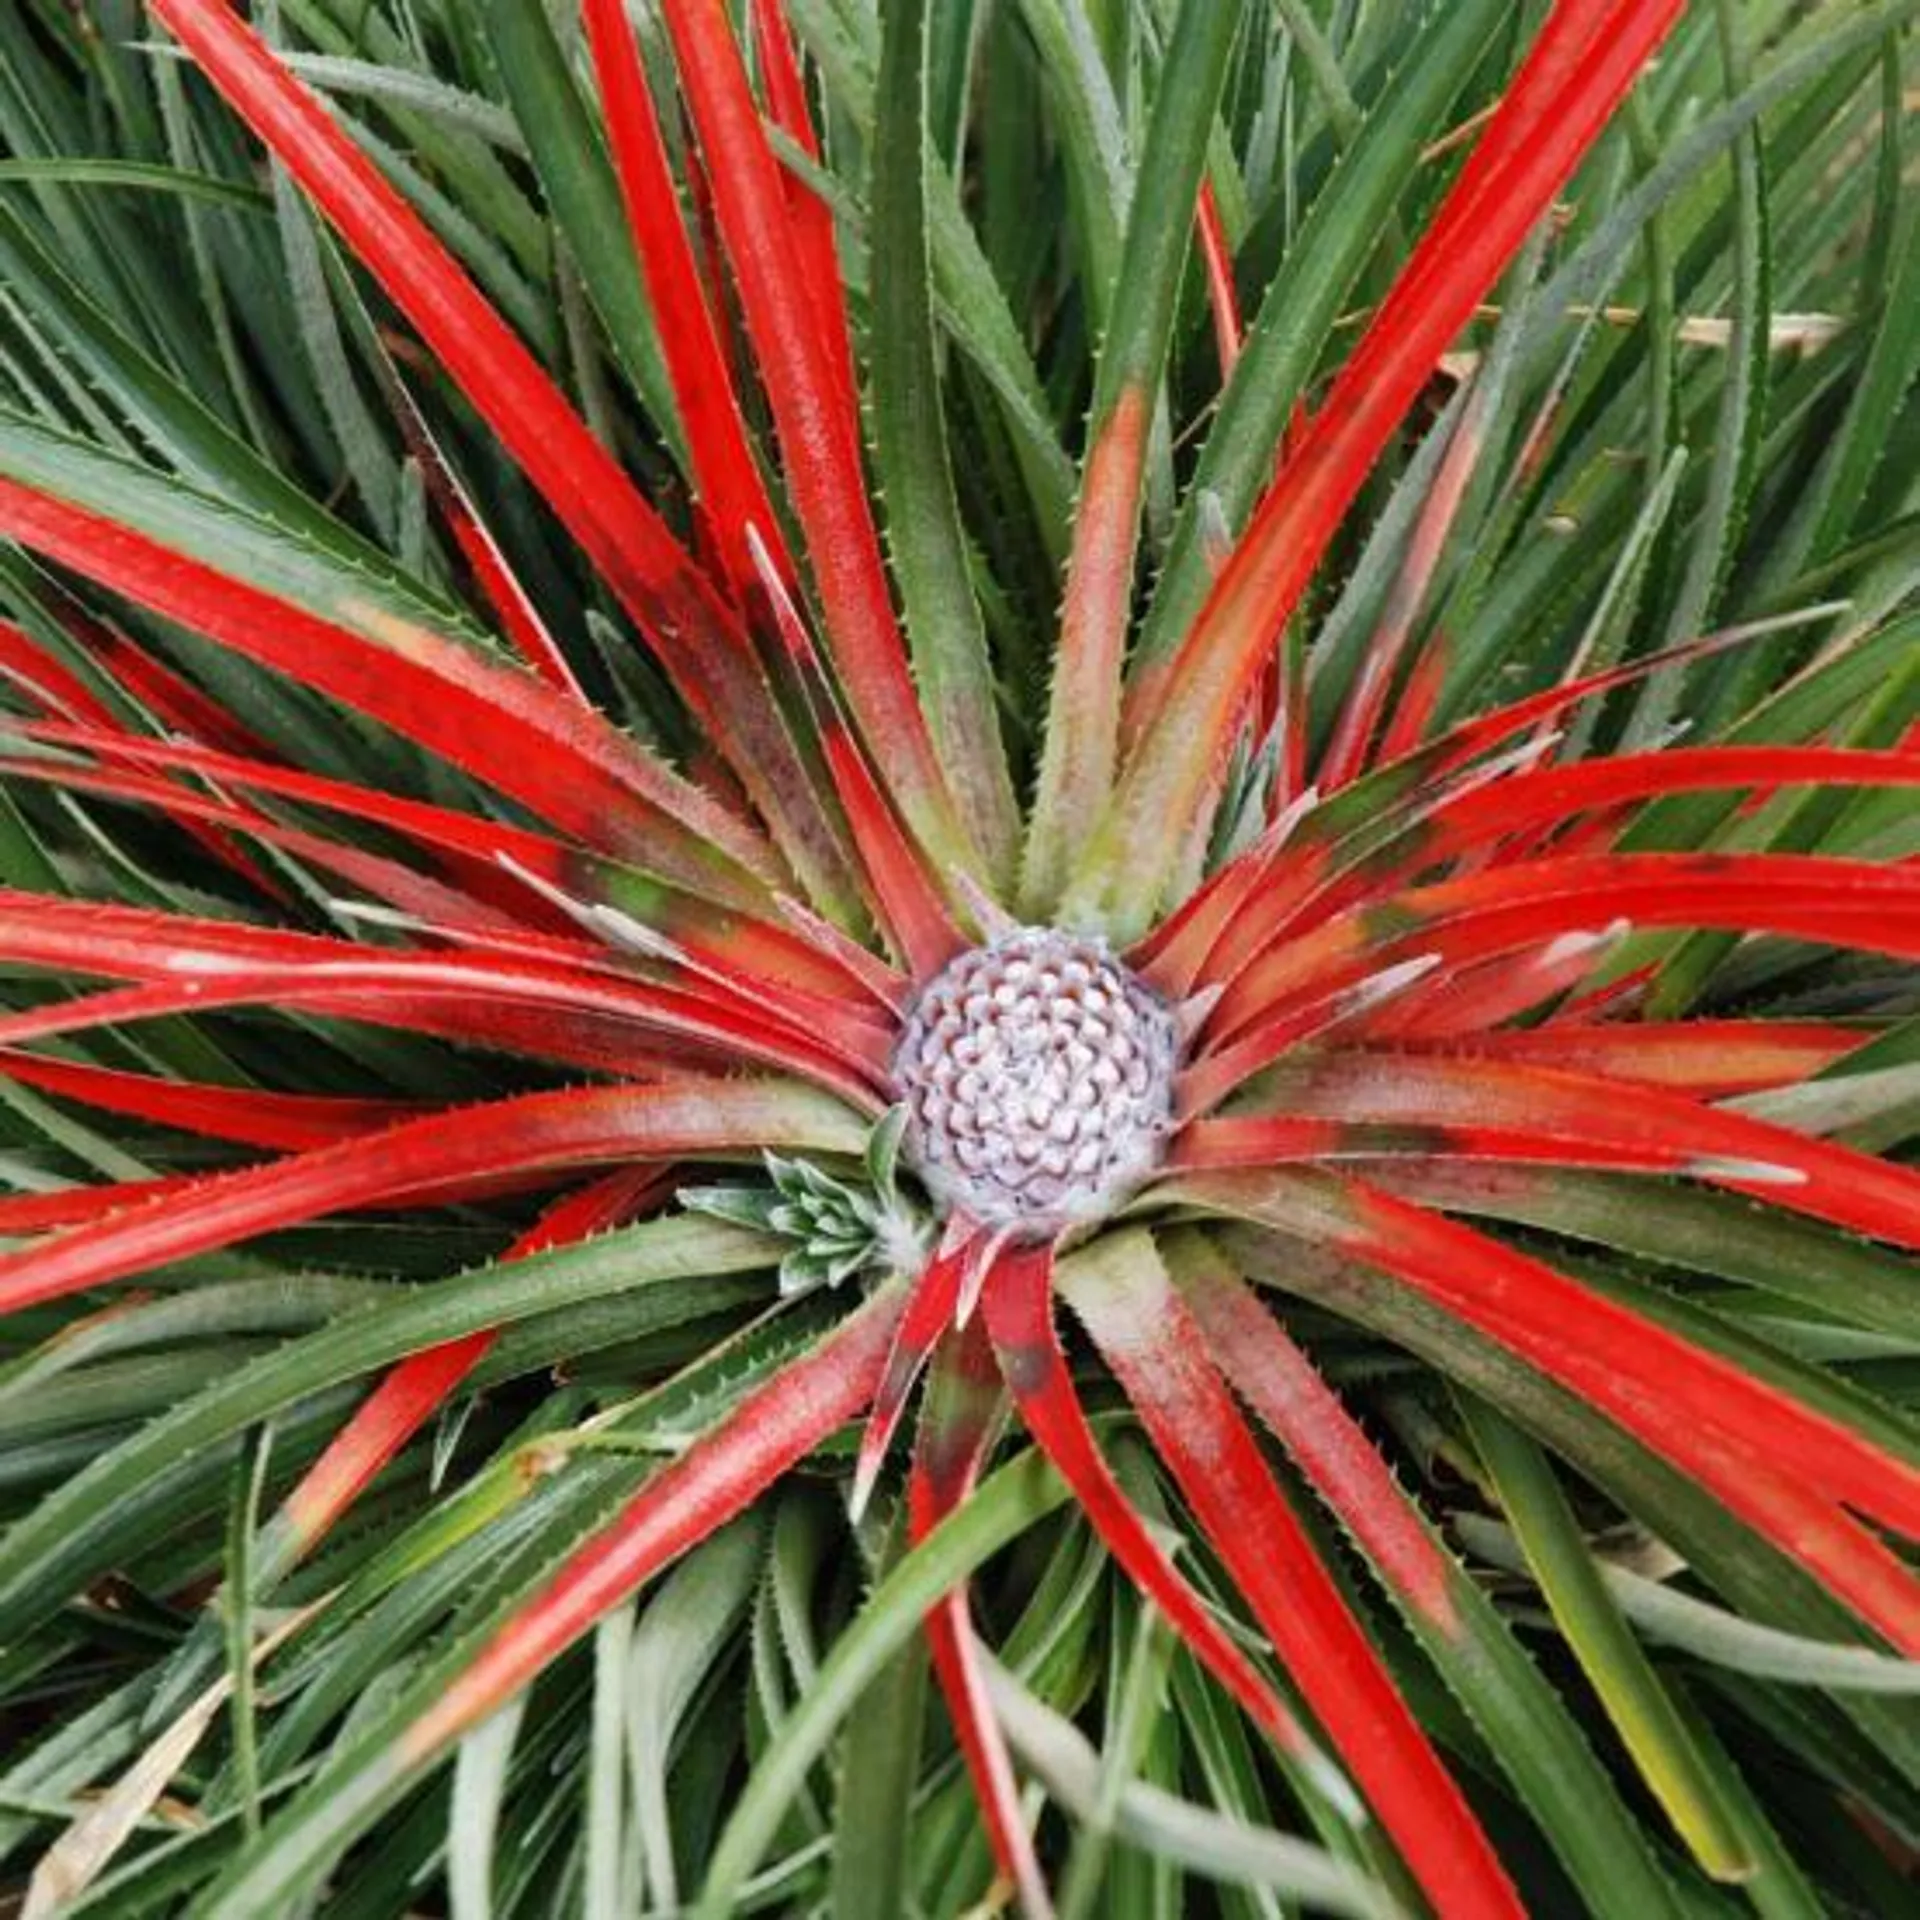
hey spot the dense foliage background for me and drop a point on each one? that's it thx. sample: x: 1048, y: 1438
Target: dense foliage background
x: 1689, y: 409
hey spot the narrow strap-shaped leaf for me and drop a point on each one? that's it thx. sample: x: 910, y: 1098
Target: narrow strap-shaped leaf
x: 1498, y: 1110
x: 1134, y: 849
x: 813, y: 219
x: 531, y: 1133
x: 219, y: 962
x: 249, y: 1116
x: 1671, y: 1757
x: 1707, y: 1058
x: 1324, y: 257
x: 768, y: 1432
x: 817, y: 424
x: 1019, y: 1316
x: 731, y: 489
x: 1082, y: 737
x: 929, y: 545
x: 1548, y: 796
x: 1531, y: 1733
x: 930, y: 1313
x: 505, y: 728
x: 542, y: 1017
x: 420, y: 1385
x: 956, y: 1429
x: 492, y: 571
x: 1236, y: 909
x: 1683, y: 1227
x: 494, y: 858
x: 219, y: 824
x: 1128, y: 1304
x: 1779, y: 1465
x: 694, y: 633
x: 911, y: 911
x: 1223, y: 296
x: 1847, y: 903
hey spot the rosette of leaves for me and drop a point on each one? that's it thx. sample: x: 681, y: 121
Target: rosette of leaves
x: 564, y: 564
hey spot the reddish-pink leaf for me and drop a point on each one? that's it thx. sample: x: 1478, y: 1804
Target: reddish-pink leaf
x: 519, y: 616
x: 488, y: 855
x: 217, y: 822
x: 731, y: 489
x: 823, y: 283
x: 912, y: 913
x: 1780, y: 1465
x: 1357, y: 1104
x: 505, y: 728
x: 416, y: 1389
x: 930, y: 1312
x: 692, y: 630
x: 771, y: 1430
x: 1847, y: 903
x: 1223, y: 295
x: 533, y: 1133
x: 1019, y: 1315
x: 1359, y: 717
x: 192, y: 963
x: 962, y: 1411
x: 70, y: 1206
x: 819, y: 431
x: 1534, y: 145
x: 1707, y: 1058
x: 1150, y: 1340
x: 248, y: 1116
x: 1552, y: 796
x: 1269, y: 1371
x: 1083, y: 714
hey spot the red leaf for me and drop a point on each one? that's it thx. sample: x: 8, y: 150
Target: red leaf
x: 1847, y: 903
x: 915, y: 918
x: 962, y: 1410
x: 819, y: 431
x: 1349, y: 1103
x: 1708, y: 1058
x: 1269, y: 1371
x: 537, y: 1132
x: 721, y: 1474
x: 415, y: 1390
x: 249, y: 1116
x: 1019, y: 1314
x: 693, y: 632
x: 1534, y: 145
x: 1150, y: 1340
x: 1779, y: 1465
x: 505, y: 728
x: 930, y: 1312
x: 1223, y: 296
x: 725, y: 471
x: 202, y: 964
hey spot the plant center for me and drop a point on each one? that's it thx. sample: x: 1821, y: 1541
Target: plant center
x: 1037, y: 1074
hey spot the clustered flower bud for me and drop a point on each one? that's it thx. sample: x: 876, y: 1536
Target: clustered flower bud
x: 1037, y: 1073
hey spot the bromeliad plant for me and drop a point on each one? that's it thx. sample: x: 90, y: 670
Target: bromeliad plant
x: 1380, y: 884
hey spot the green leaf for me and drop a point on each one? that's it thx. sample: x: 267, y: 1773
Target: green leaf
x: 578, y: 179
x: 1005, y: 1505
x: 1173, y: 1828
x: 1670, y: 1754
x: 69, y: 1537
x: 929, y: 545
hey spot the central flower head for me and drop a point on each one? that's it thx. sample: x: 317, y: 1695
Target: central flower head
x: 1037, y: 1074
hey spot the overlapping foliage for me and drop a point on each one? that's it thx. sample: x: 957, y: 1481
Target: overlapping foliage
x: 563, y: 558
